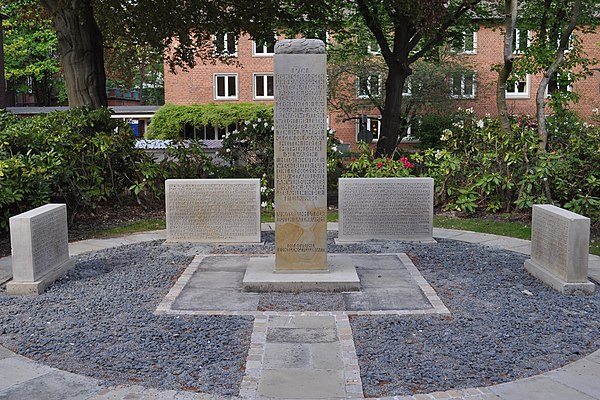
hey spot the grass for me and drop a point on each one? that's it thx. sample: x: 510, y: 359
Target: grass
x: 504, y: 228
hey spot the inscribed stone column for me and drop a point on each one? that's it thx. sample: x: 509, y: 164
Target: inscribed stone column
x: 300, y: 155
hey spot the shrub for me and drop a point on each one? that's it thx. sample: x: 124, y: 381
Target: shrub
x: 428, y: 129
x: 367, y: 166
x: 170, y: 120
x: 81, y: 157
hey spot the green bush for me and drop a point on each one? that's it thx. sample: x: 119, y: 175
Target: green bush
x: 170, y: 120
x: 481, y: 167
x: 428, y: 130
x: 366, y: 165
x: 80, y: 157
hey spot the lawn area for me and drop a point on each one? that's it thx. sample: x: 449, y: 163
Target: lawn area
x: 497, y: 227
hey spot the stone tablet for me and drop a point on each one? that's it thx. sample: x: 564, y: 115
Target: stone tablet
x: 213, y: 210
x: 385, y: 208
x: 40, y: 248
x: 300, y: 155
x: 560, y: 241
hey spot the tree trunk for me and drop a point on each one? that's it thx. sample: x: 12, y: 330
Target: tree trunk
x: 552, y: 69
x: 81, y: 52
x: 510, y: 8
x: 392, y: 117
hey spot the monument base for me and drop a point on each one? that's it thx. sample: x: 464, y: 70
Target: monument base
x: 558, y: 283
x: 38, y: 287
x: 357, y: 241
x: 260, y: 276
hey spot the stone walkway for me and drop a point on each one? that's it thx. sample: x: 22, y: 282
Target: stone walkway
x: 306, y: 355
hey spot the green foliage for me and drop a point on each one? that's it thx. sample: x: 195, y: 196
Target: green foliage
x: 481, y: 167
x: 81, y: 157
x: 428, y: 129
x: 169, y: 120
x: 369, y: 166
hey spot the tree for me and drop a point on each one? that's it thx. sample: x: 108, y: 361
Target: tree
x: 510, y: 23
x: 407, y: 31
x: 31, y: 62
x: 184, y: 28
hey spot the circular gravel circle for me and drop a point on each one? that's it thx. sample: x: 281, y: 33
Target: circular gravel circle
x: 505, y: 325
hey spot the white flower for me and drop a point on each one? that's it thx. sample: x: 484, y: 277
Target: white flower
x: 254, y: 126
x: 469, y: 110
x: 480, y: 123
x: 272, y: 128
x: 247, y: 123
x: 263, y: 189
x: 263, y: 204
x: 228, y: 150
x: 264, y: 175
x: 438, y: 154
x: 266, y: 125
x: 595, y: 110
x: 334, y: 148
x: 273, y: 206
x: 259, y: 120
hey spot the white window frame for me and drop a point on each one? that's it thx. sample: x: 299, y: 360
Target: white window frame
x: 265, y: 52
x: 569, y: 87
x: 517, y: 36
x: 227, y: 37
x: 226, y: 81
x: 370, y: 118
x: 520, y: 95
x: 266, y: 75
x: 463, y: 49
x: 366, y: 96
x: 463, y: 80
x: 373, y: 48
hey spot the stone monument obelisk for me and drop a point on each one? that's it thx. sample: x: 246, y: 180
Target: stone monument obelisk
x: 300, y: 155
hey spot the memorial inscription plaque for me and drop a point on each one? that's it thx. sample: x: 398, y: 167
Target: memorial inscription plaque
x: 213, y: 210
x: 300, y: 155
x: 40, y: 248
x: 560, y: 249
x: 385, y: 208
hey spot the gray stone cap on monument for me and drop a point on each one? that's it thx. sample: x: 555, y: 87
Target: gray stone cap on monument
x: 300, y: 46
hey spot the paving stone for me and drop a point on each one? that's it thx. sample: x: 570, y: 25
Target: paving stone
x: 538, y: 388
x: 6, y: 353
x: 387, y: 299
x: 57, y: 385
x: 286, y: 355
x: 326, y: 356
x: 214, y: 299
x: 583, y: 375
x: 301, y: 335
x: 301, y: 384
x: 301, y: 321
x: 16, y: 370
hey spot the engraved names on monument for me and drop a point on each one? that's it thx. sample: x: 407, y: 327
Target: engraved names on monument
x: 40, y: 248
x: 213, y: 210
x: 385, y: 208
x: 560, y: 248
x: 300, y: 155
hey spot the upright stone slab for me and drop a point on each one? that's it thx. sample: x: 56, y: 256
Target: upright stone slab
x: 385, y: 208
x: 300, y: 155
x: 560, y: 241
x: 213, y: 210
x: 40, y: 248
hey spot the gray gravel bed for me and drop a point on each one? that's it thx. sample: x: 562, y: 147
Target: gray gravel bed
x: 98, y: 322
x: 505, y: 324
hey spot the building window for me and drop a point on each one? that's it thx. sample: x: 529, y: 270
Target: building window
x: 225, y: 44
x: 264, y: 47
x: 519, y: 88
x: 372, y: 124
x: 559, y: 83
x: 521, y: 40
x: 226, y: 87
x: 207, y: 132
x: 373, y: 47
x: 369, y: 86
x: 463, y: 85
x: 263, y: 86
x: 467, y: 44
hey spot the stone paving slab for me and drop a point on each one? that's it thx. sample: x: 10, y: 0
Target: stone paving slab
x: 18, y: 370
x: 56, y: 385
x: 539, y: 388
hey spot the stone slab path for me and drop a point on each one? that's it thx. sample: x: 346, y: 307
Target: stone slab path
x: 307, y: 355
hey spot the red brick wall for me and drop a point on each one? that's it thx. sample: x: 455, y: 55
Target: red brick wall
x: 196, y: 86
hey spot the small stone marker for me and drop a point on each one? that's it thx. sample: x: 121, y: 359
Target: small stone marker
x: 560, y: 241
x: 213, y: 210
x: 40, y: 248
x: 300, y: 155
x: 385, y: 208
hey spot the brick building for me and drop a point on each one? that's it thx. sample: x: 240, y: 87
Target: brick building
x: 250, y: 79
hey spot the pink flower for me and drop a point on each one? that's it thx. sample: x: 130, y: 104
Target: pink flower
x: 379, y: 165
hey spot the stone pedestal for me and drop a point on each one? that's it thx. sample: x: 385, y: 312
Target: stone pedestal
x: 40, y: 248
x: 213, y: 210
x: 385, y: 208
x: 300, y: 155
x: 560, y: 241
